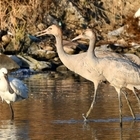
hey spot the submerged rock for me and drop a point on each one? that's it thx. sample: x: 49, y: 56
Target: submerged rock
x: 62, y: 68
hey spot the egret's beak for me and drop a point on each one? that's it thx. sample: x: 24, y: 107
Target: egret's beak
x: 41, y: 33
x: 9, y: 86
x: 78, y: 37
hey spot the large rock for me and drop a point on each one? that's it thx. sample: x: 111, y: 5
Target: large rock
x: 8, y: 63
x: 16, y: 59
x: 69, y: 47
x: 34, y: 64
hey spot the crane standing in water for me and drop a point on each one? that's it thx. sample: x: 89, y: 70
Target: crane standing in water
x: 119, y: 72
x: 88, y: 65
x: 11, y: 89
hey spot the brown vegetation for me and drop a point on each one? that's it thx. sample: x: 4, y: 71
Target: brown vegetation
x: 19, y: 16
x: 24, y: 16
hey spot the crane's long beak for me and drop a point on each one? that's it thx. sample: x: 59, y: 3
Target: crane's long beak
x: 78, y: 37
x: 9, y: 86
x: 41, y: 33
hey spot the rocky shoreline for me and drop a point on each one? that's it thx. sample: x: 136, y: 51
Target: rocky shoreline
x: 116, y: 31
x: 42, y: 56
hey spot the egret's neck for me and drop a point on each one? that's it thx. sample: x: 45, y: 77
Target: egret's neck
x: 91, y: 49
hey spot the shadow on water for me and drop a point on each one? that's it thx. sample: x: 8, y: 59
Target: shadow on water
x: 55, y: 106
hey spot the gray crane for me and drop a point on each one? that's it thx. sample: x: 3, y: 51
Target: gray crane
x: 85, y: 64
x: 118, y: 71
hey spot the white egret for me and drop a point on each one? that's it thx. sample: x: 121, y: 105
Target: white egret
x: 11, y: 89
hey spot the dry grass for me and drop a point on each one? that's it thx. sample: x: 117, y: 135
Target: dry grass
x: 21, y: 16
x: 14, y: 16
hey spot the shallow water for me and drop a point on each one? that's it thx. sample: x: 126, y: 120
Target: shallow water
x: 54, y: 111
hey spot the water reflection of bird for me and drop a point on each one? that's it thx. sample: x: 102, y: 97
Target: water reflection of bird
x: 85, y: 64
x: 119, y: 72
x: 11, y: 89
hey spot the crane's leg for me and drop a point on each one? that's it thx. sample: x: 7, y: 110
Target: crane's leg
x: 120, y: 104
x: 93, y: 101
x: 128, y: 103
x: 12, y: 111
x: 137, y: 97
x: 120, y: 108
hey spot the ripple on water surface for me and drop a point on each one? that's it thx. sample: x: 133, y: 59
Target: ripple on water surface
x: 55, y: 106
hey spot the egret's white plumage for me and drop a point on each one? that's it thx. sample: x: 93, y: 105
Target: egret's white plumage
x: 85, y: 64
x: 11, y: 89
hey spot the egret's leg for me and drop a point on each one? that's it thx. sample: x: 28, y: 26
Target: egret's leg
x: 93, y: 101
x: 128, y: 103
x: 12, y: 111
